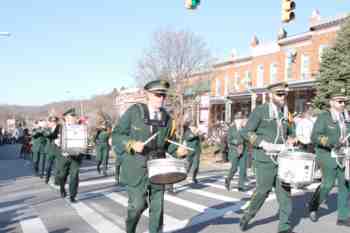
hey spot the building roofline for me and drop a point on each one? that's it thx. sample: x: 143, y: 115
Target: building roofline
x: 233, y: 61
x: 295, y: 38
x: 328, y: 22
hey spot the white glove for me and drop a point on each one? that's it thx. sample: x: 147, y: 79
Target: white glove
x: 267, y: 146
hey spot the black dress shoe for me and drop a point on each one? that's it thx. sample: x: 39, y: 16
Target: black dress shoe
x: 345, y: 222
x: 243, y: 223
x: 195, y: 181
x: 98, y: 169
x: 63, y: 192
x: 313, y: 216
x: 227, y: 184
x: 72, y: 200
x: 242, y: 189
x: 286, y: 231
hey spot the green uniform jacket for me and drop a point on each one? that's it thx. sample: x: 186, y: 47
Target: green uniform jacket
x: 131, y: 127
x: 38, y: 140
x: 325, y: 135
x: 192, y: 141
x: 102, y: 138
x: 261, y: 127
x: 234, y: 140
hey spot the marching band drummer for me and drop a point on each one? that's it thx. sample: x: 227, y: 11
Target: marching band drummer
x: 329, y: 133
x: 266, y: 126
x: 139, y: 123
x: 69, y: 165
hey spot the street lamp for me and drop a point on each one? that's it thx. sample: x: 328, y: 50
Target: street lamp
x: 5, y: 34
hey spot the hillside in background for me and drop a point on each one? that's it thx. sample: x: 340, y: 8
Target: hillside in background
x: 88, y: 107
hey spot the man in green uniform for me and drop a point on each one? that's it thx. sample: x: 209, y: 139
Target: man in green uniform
x: 53, y: 150
x: 329, y: 134
x: 69, y: 164
x: 138, y: 124
x: 238, y: 153
x: 39, y: 142
x: 267, y: 126
x: 192, y: 139
x: 102, y: 148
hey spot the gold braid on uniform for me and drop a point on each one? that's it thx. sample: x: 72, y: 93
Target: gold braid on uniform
x: 252, y: 137
x: 323, y: 140
x: 129, y: 146
x: 173, y: 129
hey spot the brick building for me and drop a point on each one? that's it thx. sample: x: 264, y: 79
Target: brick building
x: 240, y: 83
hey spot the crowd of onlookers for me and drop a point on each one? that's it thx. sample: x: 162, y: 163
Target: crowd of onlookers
x: 13, y: 137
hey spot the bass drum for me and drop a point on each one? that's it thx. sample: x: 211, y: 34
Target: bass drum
x: 296, y: 168
x: 167, y: 171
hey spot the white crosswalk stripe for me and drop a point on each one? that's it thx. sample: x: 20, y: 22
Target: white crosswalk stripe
x: 33, y: 225
x: 94, y: 219
x: 210, y: 188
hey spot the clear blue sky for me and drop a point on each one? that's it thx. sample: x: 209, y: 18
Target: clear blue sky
x: 68, y: 49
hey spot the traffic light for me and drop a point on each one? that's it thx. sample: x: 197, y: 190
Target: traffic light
x: 287, y: 10
x: 192, y: 4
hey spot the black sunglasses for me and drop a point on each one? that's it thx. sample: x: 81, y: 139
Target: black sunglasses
x: 341, y: 101
x: 160, y: 95
x: 281, y: 94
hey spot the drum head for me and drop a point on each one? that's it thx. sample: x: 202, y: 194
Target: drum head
x: 169, y: 178
x: 297, y: 155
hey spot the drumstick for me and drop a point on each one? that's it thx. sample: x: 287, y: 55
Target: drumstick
x: 150, y: 138
x: 178, y: 144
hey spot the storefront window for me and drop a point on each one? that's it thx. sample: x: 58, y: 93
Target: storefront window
x: 218, y: 87
x: 321, y: 51
x: 305, y: 67
x: 273, y: 73
x: 260, y: 76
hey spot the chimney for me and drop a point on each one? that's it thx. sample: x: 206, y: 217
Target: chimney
x: 315, y: 18
x: 254, y: 42
x: 234, y: 53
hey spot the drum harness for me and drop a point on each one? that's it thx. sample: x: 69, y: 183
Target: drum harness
x: 340, y: 154
x: 273, y: 113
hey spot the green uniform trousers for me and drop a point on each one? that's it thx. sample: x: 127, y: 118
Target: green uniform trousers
x: 193, y: 161
x: 52, y: 156
x: 266, y: 178
x: 70, y: 166
x: 240, y: 161
x: 102, y: 156
x: 139, y: 197
x: 329, y: 175
x: 39, y: 161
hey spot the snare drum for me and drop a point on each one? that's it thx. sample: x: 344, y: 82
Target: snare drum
x: 167, y: 171
x: 296, y: 168
x: 74, y: 139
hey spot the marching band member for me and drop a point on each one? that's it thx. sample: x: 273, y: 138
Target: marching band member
x: 192, y: 139
x: 39, y: 141
x: 53, y: 145
x: 69, y: 164
x: 139, y: 123
x: 267, y: 126
x: 238, y: 153
x: 102, y: 147
x: 329, y: 133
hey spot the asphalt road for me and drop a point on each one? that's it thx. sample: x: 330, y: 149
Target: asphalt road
x: 29, y: 205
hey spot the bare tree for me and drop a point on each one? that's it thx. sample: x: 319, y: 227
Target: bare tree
x: 174, y: 56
